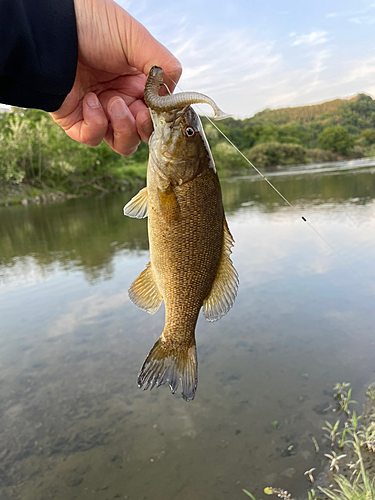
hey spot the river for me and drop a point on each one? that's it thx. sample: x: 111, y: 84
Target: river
x: 74, y: 425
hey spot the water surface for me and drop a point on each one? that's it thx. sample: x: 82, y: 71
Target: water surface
x: 73, y: 423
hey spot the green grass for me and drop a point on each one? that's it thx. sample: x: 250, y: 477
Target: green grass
x: 350, y: 439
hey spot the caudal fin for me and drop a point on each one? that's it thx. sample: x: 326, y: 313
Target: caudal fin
x: 168, y: 365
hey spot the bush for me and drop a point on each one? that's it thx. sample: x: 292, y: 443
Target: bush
x: 227, y: 158
x: 336, y: 139
x: 369, y: 136
x: 274, y: 153
x: 320, y: 155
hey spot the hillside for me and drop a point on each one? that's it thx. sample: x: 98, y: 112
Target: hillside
x: 303, y: 114
x: 341, y: 128
x: 38, y: 160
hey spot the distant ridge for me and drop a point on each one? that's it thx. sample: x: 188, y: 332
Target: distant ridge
x: 304, y: 114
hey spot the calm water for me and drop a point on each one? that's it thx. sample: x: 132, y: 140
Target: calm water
x: 73, y: 423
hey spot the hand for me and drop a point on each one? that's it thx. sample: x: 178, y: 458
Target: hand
x: 115, y: 54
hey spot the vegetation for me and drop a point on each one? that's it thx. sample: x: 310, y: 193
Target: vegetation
x: 38, y: 159
x: 322, y: 132
x: 36, y: 156
x: 351, y: 438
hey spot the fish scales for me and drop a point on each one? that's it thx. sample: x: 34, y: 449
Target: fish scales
x: 190, y: 242
x: 185, y: 253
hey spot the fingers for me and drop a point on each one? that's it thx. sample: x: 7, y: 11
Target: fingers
x: 122, y: 135
x: 144, y: 124
x: 92, y: 128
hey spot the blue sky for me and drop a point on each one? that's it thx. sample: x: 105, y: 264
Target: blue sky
x: 250, y: 55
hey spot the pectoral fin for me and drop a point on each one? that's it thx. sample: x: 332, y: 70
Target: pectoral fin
x: 144, y: 293
x: 224, y: 289
x: 137, y: 206
x: 168, y: 204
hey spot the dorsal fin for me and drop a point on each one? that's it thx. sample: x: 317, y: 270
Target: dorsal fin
x: 144, y: 293
x: 224, y: 289
x: 137, y: 206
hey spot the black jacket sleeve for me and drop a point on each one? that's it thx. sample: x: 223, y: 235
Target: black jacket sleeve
x: 38, y: 52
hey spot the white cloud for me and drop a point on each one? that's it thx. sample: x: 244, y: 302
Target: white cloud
x: 361, y: 70
x: 313, y: 38
x: 355, y: 20
x: 362, y: 20
x: 86, y: 311
x: 245, y: 70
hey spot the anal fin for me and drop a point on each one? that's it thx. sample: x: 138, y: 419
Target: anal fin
x: 137, y: 206
x: 224, y: 289
x: 144, y: 293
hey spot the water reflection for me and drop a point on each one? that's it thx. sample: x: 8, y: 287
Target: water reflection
x: 86, y: 234
x: 73, y: 423
x: 82, y: 234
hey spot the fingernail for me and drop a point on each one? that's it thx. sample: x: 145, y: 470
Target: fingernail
x: 118, y: 108
x: 93, y: 101
x: 147, y: 127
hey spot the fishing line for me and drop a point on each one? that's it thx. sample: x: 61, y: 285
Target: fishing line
x: 295, y: 210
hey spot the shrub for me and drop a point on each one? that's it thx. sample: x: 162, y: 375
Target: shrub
x: 336, y: 139
x: 274, y: 153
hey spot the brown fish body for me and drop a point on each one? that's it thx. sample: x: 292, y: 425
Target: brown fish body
x: 190, y: 244
x: 185, y: 250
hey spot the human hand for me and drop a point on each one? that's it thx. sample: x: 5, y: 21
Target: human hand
x: 115, y: 54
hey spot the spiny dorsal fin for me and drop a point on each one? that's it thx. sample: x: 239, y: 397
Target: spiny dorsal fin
x: 137, y: 206
x: 224, y: 289
x: 144, y: 293
x: 165, y: 365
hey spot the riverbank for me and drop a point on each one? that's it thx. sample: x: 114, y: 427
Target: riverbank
x: 124, y: 179
x: 133, y: 177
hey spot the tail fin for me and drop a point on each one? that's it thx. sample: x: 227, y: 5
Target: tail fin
x: 168, y: 365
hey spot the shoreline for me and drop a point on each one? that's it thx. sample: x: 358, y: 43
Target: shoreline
x: 28, y: 194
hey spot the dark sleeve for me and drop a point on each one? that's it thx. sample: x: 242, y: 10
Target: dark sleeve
x: 38, y: 52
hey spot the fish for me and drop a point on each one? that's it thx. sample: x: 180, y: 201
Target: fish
x: 190, y: 242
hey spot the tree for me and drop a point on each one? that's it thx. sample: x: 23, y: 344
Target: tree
x: 369, y: 136
x: 336, y: 139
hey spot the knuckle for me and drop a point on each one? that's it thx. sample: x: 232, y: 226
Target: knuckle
x: 92, y: 142
x: 128, y: 151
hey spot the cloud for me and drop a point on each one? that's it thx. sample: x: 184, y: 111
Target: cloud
x: 362, y: 70
x: 355, y: 20
x: 224, y: 65
x: 245, y: 70
x: 313, y: 38
x: 362, y: 20
x: 86, y: 311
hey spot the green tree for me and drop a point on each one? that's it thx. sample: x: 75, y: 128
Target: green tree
x: 369, y: 136
x: 336, y: 139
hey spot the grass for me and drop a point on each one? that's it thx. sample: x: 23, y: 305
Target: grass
x: 352, y: 453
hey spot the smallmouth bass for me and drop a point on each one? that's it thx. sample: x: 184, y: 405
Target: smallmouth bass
x: 190, y: 242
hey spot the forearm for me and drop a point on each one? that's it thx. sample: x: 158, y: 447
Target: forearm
x: 38, y: 52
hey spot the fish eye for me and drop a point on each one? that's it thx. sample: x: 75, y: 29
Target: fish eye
x: 189, y: 132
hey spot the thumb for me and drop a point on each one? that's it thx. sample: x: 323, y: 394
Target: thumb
x: 144, y: 52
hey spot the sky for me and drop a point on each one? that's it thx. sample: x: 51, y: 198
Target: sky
x: 250, y: 55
